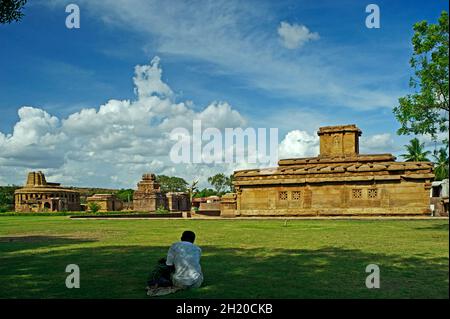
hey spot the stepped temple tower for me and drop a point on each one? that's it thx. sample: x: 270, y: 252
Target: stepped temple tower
x: 148, y: 196
x: 339, y: 181
x: 38, y: 195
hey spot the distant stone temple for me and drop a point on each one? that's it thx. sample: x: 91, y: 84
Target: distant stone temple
x: 207, y: 205
x: 439, y: 198
x: 148, y: 197
x: 178, y: 201
x: 339, y: 181
x: 106, y: 202
x: 38, y: 195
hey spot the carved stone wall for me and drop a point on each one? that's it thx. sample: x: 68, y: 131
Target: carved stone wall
x: 178, y: 201
x: 107, y: 202
x: 40, y: 196
x: 339, y: 141
x: 339, y: 181
x: 148, y: 197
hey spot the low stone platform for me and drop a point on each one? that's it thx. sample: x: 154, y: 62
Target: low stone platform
x: 336, y: 218
x: 129, y: 216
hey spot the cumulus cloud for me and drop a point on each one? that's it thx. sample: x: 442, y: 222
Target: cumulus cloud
x: 295, y: 35
x: 302, y: 144
x: 148, y: 80
x: 235, y: 41
x: 378, y: 143
x: 299, y: 144
x: 33, y: 140
x: 111, y: 145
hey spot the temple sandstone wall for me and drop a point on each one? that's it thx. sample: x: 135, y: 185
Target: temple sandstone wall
x: 38, y: 195
x: 339, y: 141
x: 106, y: 202
x: 149, y: 198
x: 339, y: 181
x: 359, y: 198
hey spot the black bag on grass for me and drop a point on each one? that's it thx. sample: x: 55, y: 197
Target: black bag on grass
x: 160, y: 275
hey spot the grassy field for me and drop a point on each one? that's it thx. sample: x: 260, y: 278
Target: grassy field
x: 241, y: 258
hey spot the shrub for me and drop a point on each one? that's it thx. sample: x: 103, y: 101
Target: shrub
x: 94, y: 207
x: 4, y: 208
x: 162, y: 210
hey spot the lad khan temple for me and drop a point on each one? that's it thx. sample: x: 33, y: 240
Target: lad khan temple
x: 339, y: 181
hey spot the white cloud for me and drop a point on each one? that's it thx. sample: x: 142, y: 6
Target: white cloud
x: 430, y: 142
x: 378, y: 143
x: 114, y: 144
x: 33, y: 140
x: 231, y: 36
x: 148, y: 80
x: 299, y: 144
x: 295, y: 35
x: 302, y: 144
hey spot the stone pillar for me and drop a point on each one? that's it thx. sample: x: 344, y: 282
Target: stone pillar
x: 172, y: 202
x: 228, y: 205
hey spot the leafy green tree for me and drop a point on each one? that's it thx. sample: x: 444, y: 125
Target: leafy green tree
x: 11, y: 10
x: 7, y: 195
x: 416, y: 151
x: 125, y: 195
x: 441, y: 164
x: 205, y: 192
x: 221, y: 183
x: 426, y: 111
x: 172, y: 183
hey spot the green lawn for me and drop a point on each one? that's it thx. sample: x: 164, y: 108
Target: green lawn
x: 241, y: 258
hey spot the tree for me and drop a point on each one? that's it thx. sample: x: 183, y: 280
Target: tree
x: 7, y: 195
x: 221, y: 183
x: 205, y: 192
x: 416, y: 152
x: 426, y: 111
x: 11, y: 10
x: 192, y: 189
x: 172, y: 183
x: 125, y: 195
x: 441, y: 164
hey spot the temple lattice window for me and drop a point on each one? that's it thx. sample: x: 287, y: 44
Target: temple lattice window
x: 356, y: 193
x: 283, y: 195
x: 372, y: 193
x: 296, y: 195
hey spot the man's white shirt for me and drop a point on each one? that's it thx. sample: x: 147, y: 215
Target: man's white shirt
x: 185, y: 256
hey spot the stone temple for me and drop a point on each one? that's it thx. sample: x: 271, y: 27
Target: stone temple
x: 38, y: 195
x: 148, y: 197
x: 106, y: 202
x: 339, y: 181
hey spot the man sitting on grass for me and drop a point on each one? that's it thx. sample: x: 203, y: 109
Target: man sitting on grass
x: 181, y: 270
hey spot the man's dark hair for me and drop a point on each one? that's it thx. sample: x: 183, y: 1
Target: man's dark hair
x: 188, y: 236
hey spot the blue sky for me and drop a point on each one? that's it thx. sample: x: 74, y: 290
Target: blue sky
x: 225, y: 51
